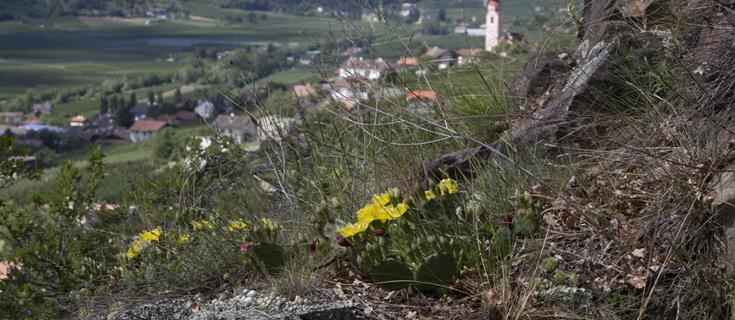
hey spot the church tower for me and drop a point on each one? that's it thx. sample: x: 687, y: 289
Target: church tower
x: 492, y: 25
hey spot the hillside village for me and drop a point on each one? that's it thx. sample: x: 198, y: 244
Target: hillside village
x: 529, y: 159
x: 355, y: 80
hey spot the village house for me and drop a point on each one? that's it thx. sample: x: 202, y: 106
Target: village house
x: 444, y: 58
x: 224, y: 54
x: 464, y: 29
x: 78, y: 121
x: 387, y: 93
x: 407, y: 62
x: 347, y: 93
x: 101, y: 129
x: 143, y: 130
x: 29, y: 162
x: 309, y: 57
x: 12, y: 131
x: 160, y: 14
x: 273, y: 128
x: 469, y: 55
x: 360, y: 68
x: 305, y: 95
x: 13, y: 117
x: 45, y: 108
x: 422, y: 99
x: 38, y: 127
x: 140, y: 111
x: 169, y: 119
x: 238, y: 127
x: 113, y: 136
x: 205, y: 109
x: 407, y: 8
x: 186, y: 116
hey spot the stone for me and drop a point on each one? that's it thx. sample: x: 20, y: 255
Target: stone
x: 539, y: 74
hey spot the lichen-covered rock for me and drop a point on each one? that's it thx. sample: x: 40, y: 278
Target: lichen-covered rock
x: 247, y: 305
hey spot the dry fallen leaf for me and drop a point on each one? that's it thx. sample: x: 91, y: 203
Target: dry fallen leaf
x: 638, y: 282
x: 338, y: 291
x: 640, y: 253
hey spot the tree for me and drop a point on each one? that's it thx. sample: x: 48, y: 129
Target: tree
x: 104, y: 104
x: 124, y: 117
x: 160, y: 97
x: 178, y: 98
x: 133, y: 100
x: 165, y: 144
x: 442, y: 15
x: 114, y: 103
x: 151, y: 98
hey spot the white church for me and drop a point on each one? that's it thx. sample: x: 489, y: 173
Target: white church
x: 493, y: 25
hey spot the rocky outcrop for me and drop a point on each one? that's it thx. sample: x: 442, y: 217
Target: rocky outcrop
x: 246, y: 305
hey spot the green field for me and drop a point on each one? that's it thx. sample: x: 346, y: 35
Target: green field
x: 80, y: 51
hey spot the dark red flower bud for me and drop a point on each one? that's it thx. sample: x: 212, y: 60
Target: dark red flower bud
x: 508, y: 219
x: 379, y: 232
x: 342, y: 241
x: 313, y: 244
x: 247, y: 246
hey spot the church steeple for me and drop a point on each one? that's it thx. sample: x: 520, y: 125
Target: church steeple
x: 492, y: 25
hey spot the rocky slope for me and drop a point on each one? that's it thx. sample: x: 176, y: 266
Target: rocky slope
x: 645, y: 105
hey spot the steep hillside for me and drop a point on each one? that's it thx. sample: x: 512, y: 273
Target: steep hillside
x: 596, y: 184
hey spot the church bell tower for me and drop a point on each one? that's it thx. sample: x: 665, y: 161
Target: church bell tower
x: 492, y: 25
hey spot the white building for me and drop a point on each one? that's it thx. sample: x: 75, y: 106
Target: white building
x: 204, y: 109
x: 145, y: 129
x: 362, y: 68
x: 492, y: 25
x: 78, y: 121
x: 407, y: 8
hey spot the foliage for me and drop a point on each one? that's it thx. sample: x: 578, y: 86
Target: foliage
x: 12, y: 166
x: 423, y: 236
x: 58, y: 257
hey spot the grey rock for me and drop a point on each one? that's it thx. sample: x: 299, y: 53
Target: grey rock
x: 249, y: 305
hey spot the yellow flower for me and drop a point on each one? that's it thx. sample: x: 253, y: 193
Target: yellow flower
x: 383, y: 199
x: 135, y: 249
x: 397, y: 211
x: 429, y: 194
x: 183, y: 239
x: 353, y: 229
x: 269, y: 224
x: 372, y: 212
x: 237, y: 225
x: 152, y: 235
x: 448, y: 186
x: 202, y: 224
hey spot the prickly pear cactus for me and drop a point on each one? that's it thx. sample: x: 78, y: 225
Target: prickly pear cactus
x: 436, y: 272
x: 392, y: 275
x: 270, y: 256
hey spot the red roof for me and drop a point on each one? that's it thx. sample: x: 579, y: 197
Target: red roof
x: 147, y: 125
x: 186, y: 116
x: 407, y: 61
x: 422, y: 95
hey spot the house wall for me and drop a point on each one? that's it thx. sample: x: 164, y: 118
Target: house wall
x: 137, y: 136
